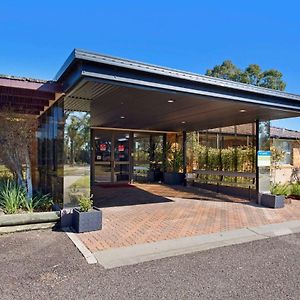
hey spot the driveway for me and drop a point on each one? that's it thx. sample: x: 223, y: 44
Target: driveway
x: 46, y: 265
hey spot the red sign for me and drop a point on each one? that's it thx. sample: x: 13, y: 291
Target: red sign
x: 121, y: 148
x: 102, y: 147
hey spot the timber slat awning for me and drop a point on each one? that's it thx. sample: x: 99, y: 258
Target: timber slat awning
x: 26, y: 95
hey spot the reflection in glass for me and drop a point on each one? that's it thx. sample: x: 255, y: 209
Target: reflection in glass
x: 76, y: 157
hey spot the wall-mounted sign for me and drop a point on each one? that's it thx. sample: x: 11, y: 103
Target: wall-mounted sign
x: 263, y: 158
x: 102, y: 147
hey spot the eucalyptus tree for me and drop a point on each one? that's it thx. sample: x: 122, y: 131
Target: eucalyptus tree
x: 253, y: 74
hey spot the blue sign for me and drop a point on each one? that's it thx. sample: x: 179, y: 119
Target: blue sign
x: 263, y: 153
x: 263, y: 158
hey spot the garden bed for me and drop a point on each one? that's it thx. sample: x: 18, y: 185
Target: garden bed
x: 294, y: 197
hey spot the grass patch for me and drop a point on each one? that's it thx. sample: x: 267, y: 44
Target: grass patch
x: 82, y: 183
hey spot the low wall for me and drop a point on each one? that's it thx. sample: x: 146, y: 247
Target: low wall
x: 249, y: 194
x: 28, y: 221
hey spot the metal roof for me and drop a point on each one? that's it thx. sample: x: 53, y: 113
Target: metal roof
x: 78, y: 54
x: 21, y: 78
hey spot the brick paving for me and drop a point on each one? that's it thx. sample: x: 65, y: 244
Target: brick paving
x: 175, y: 212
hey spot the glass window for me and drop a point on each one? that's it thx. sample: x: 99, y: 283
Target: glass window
x: 286, y: 147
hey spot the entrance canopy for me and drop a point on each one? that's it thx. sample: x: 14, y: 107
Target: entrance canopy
x: 126, y: 94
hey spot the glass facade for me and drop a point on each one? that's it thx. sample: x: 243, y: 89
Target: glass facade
x: 77, y: 156
x: 286, y: 146
x: 50, y: 137
x: 147, y: 157
x: 228, y: 149
x: 64, y: 154
x: 263, y: 144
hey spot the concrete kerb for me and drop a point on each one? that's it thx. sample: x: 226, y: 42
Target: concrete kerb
x: 88, y: 255
x: 117, y: 257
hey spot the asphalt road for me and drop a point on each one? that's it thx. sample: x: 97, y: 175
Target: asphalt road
x: 46, y: 265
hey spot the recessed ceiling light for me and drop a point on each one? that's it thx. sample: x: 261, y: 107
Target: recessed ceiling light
x: 171, y: 101
x: 183, y: 122
x: 122, y: 117
x: 242, y: 110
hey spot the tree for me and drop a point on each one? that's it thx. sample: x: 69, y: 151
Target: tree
x: 77, y: 136
x: 72, y: 131
x: 252, y: 75
x: 17, y: 136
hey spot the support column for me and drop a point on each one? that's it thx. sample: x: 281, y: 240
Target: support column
x: 184, y: 162
x: 263, y: 159
x: 164, y: 152
x: 131, y: 157
x: 92, y: 160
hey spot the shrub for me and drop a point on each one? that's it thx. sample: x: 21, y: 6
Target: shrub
x: 39, y: 202
x: 12, y: 196
x: 281, y: 189
x: 85, y: 203
x: 295, y: 189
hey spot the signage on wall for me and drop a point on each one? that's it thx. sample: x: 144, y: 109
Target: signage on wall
x: 263, y: 158
x: 102, y: 147
x: 121, y: 148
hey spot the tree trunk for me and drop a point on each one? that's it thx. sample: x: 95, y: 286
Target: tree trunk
x: 72, y: 153
x: 28, y: 176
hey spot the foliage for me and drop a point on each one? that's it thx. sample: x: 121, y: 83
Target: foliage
x: 174, y: 157
x: 252, y: 75
x: 294, y: 189
x: 39, y: 202
x: 12, y: 196
x: 213, y: 158
x: 286, y: 189
x: 245, y: 158
x: 85, y: 203
x: 280, y: 189
x: 276, y: 156
x: 226, y: 159
x: 227, y: 70
x: 77, y: 137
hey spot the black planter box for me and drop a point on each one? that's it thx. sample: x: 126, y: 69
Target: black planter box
x: 155, y: 175
x: 272, y: 201
x: 173, y: 178
x: 87, y: 221
x: 122, y: 177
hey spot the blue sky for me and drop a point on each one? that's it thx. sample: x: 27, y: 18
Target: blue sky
x: 37, y: 36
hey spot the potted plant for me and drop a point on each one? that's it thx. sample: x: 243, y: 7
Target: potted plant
x: 174, y: 174
x: 86, y: 217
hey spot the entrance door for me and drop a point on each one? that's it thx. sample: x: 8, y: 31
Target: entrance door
x: 111, y: 157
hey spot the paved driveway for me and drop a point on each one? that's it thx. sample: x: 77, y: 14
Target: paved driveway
x: 175, y: 213
x: 46, y: 265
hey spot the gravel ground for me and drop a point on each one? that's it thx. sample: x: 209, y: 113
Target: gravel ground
x: 46, y: 265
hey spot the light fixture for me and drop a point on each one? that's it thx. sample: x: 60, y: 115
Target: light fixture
x: 242, y: 110
x: 122, y: 117
x: 171, y: 101
x: 183, y: 122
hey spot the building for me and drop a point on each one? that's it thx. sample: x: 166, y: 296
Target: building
x: 141, y: 120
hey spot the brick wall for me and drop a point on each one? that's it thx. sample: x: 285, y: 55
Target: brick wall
x: 296, y: 154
